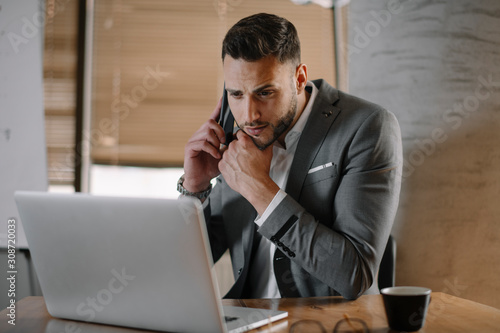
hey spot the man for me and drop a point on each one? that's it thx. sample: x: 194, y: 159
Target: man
x: 309, y: 188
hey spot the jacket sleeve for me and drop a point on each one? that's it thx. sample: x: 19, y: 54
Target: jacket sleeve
x: 345, y: 251
x: 215, y: 224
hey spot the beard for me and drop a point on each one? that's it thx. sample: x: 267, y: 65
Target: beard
x: 280, y: 127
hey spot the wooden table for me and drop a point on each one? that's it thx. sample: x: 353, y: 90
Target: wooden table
x: 446, y: 314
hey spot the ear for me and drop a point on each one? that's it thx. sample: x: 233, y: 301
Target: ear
x: 300, y: 78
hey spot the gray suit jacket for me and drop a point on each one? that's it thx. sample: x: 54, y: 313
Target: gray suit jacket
x: 332, y: 228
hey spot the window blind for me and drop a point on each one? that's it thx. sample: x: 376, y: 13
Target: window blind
x: 157, y: 72
x: 60, y: 54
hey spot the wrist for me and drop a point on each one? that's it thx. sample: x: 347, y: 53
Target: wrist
x: 200, y: 192
x: 261, y: 199
x: 195, y: 182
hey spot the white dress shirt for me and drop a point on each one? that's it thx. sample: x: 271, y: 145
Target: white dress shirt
x: 262, y: 279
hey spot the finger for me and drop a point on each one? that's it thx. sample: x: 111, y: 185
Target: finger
x: 239, y: 134
x: 210, y: 131
x: 223, y: 149
x: 222, y: 167
x: 195, y: 148
x: 218, y: 130
x: 226, y: 165
x: 243, y: 137
x: 213, y: 139
x: 215, y: 114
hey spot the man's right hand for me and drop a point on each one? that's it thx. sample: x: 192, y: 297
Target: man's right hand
x: 202, y: 154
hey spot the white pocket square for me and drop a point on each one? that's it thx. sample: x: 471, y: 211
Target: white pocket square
x: 321, y: 167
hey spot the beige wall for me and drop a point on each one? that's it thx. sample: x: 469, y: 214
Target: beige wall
x: 436, y: 65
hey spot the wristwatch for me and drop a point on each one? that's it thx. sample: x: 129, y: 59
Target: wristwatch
x: 200, y: 195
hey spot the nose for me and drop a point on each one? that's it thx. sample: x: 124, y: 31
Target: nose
x: 252, y: 113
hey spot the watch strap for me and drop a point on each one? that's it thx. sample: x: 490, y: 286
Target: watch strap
x: 200, y: 195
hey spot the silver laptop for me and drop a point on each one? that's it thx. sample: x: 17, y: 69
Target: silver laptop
x: 134, y: 262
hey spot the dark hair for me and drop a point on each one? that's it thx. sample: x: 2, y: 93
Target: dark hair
x: 260, y: 35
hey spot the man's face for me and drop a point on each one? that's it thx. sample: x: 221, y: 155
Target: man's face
x: 262, y: 96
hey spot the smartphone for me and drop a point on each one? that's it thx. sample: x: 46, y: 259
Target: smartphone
x: 226, y: 118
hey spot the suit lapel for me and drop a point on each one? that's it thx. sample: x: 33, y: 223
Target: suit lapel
x: 320, y: 120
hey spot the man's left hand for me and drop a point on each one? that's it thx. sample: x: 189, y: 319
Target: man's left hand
x: 246, y: 170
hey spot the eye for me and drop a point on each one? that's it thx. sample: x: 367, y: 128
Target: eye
x: 236, y: 94
x: 265, y: 93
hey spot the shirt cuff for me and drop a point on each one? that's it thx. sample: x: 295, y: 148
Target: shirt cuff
x: 272, y: 206
x: 204, y: 204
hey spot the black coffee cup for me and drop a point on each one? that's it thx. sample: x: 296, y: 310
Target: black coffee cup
x: 406, y: 307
